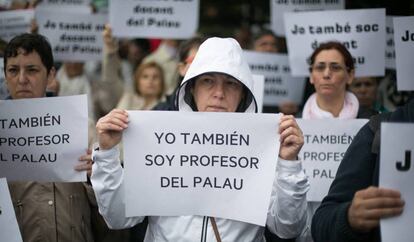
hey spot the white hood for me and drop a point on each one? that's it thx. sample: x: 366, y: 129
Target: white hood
x: 221, y: 55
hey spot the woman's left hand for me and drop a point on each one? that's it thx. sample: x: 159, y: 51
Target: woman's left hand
x: 85, y: 163
x: 291, y: 138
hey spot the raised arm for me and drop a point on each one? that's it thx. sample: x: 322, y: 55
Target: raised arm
x: 107, y: 173
x: 287, y: 211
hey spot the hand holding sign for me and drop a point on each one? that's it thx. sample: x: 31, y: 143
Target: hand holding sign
x: 291, y: 138
x: 109, y: 128
x: 370, y: 205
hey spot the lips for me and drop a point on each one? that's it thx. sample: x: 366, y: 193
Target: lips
x: 214, y: 108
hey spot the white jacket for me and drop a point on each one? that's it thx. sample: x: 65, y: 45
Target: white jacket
x: 287, y: 206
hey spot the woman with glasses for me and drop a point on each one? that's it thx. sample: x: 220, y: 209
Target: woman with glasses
x: 331, y: 70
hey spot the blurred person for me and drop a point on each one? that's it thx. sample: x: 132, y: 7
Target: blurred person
x: 366, y: 90
x: 148, y: 90
x: 218, y: 80
x: 117, y: 74
x: 186, y: 54
x: 166, y: 57
x: 72, y: 80
x: 267, y: 41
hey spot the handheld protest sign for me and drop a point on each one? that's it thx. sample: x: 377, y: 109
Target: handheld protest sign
x: 42, y: 139
x: 404, y: 49
x: 279, y: 7
x: 9, y: 230
x: 280, y: 86
x: 258, y: 91
x: 214, y: 164
x: 168, y: 19
x: 389, y: 44
x: 361, y: 31
x: 397, y: 172
x: 326, y: 141
x: 15, y: 22
x: 73, y: 36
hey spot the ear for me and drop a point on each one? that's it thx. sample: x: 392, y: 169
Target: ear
x: 51, y: 76
x: 351, y: 77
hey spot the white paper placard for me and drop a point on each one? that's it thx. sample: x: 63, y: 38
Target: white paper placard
x: 280, y: 86
x: 42, y: 139
x: 73, y: 36
x: 15, y: 22
x: 258, y: 91
x: 361, y: 31
x: 168, y: 19
x: 326, y: 141
x: 397, y: 172
x: 404, y: 49
x: 64, y: 3
x: 279, y: 7
x: 389, y: 43
x: 9, y: 229
x: 67, y: 8
x: 214, y: 164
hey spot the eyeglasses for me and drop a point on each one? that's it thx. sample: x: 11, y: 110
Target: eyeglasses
x: 333, y: 67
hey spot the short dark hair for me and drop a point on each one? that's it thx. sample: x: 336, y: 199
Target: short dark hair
x: 29, y: 43
x: 349, y: 62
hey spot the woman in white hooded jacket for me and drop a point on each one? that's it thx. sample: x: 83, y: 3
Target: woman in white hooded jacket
x: 218, y: 80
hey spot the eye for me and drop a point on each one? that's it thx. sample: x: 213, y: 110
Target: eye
x: 32, y: 70
x: 335, y: 67
x: 12, y: 71
x: 319, y: 67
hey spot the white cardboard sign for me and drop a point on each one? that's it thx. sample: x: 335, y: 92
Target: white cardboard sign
x: 15, y: 22
x: 326, y: 141
x: 168, y: 19
x: 41, y: 139
x: 258, y: 91
x: 73, y: 36
x: 389, y: 43
x: 214, y: 164
x: 404, y: 49
x: 280, y: 86
x: 279, y: 7
x: 9, y: 229
x: 64, y: 3
x: 397, y: 172
x: 361, y: 31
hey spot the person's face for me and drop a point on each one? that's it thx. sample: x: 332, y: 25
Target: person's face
x: 183, y: 67
x: 73, y: 69
x: 365, y: 88
x: 26, y: 75
x: 329, y: 74
x: 150, y: 82
x: 266, y: 43
x: 135, y: 53
x: 217, y: 93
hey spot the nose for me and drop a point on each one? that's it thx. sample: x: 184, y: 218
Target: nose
x: 326, y: 73
x: 218, y: 91
x: 22, y: 77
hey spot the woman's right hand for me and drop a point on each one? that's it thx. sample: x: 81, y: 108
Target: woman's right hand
x: 108, y: 39
x: 109, y: 128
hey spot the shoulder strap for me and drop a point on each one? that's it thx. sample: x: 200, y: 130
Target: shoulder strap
x: 216, y: 232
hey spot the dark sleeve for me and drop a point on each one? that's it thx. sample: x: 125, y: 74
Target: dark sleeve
x: 330, y: 222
